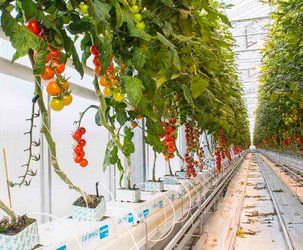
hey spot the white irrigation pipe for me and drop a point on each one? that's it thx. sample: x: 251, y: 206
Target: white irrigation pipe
x: 174, y: 219
x: 192, y: 186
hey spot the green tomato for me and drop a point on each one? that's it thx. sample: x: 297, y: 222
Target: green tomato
x: 138, y: 17
x: 83, y: 8
x: 140, y: 26
x: 135, y: 9
x: 118, y: 96
x: 56, y: 104
x: 132, y: 2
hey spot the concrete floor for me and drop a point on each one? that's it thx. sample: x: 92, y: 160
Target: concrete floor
x: 246, y: 219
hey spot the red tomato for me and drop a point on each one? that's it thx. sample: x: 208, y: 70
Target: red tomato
x: 170, y: 144
x: 82, y: 142
x: 83, y: 163
x: 111, y: 67
x: 98, y: 70
x: 82, y: 153
x: 78, y: 149
x: 78, y: 158
x: 96, y: 61
x: 59, y: 67
x: 33, y: 26
x: 53, y: 88
x: 173, y: 120
x: 82, y: 130
x: 55, y: 53
x: 94, y: 50
x: 47, y: 58
x: 77, y: 135
x: 48, y: 73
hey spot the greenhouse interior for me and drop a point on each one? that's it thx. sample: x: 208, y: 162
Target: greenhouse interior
x: 161, y: 124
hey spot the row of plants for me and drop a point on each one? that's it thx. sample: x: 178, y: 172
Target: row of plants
x: 168, y: 62
x: 279, y: 119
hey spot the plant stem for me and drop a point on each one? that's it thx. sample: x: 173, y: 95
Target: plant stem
x: 128, y: 171
x: 178, y: 154
x: 111, y: 129
x: 83, y: 113
x: 154, y: 167
x: 45, y: 130
x: 8, y: 211
x: 169, y: 168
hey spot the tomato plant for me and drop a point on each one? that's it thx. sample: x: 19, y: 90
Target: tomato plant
x: 280, y: 112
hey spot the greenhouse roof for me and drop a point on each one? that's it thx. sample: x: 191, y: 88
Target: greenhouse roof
x: 249, y: 20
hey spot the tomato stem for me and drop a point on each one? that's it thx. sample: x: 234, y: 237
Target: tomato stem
x: 112, y: 130
x: 8, y: 211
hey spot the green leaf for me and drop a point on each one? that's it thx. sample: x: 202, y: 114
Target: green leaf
x: 133, y: 88
x: 23, y: 40
x: 114, y: 155
x: 29, y: 8
x: 155, y: 142
x: 146, y: 109
x: 40, y: 59
x: 8, y: 23
x: 165, y: 41
x: 176, y: 59
x: 119, y: 15
x: 168, y: 3
x: 187, y: 94
x: 128, y: 145
x: 106, y: 48
x: 120, y: 167
x: 293, y: 86
x: 70, y: 47
x: 79, y: 27
x: 121, y: 117
x: 97, y: 118
x: 167, y: 29
x: 139, y: 58
x: 198, y: 85
x: 102, y: 10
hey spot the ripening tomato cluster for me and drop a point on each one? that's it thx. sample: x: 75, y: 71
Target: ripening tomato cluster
x: 169, y: 139
x: 58, y: 86
x: 135, y: 8
x: 109, y: 81
x: 293, y: 143
x: 218, y: 160
x: 192, y: 135
x: 79, y: 147
x: 222, y: 151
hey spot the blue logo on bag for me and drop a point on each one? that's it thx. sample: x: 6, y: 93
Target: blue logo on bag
x: 130, y: 218
x: 103, y: 232
x: 62, y: 248
x: 145, y: 213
